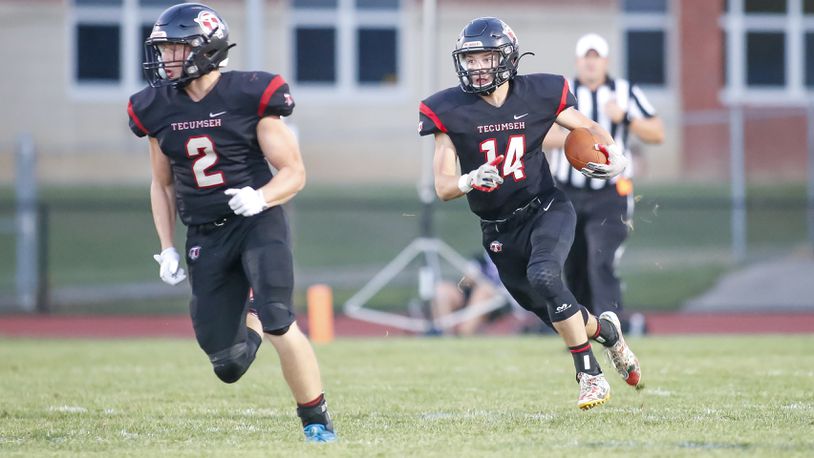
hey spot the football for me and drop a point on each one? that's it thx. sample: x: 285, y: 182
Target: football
x: 579, y: 148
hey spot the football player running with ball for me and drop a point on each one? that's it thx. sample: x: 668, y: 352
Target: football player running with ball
x: 211, y: 137
x: 493, y: 124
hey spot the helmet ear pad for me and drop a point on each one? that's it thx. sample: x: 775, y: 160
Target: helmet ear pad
x: 206, y: 57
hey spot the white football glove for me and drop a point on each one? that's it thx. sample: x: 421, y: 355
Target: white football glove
x: 616, y: 163
x: 246, y: 201
x: 170, y: 272
x: 485, y: 178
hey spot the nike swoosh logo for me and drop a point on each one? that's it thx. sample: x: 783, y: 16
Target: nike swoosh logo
x: 545, y: 209
x: 215, y: 115
x: 516, y: 117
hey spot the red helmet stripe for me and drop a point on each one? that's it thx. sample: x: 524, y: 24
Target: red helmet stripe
x: 427, y: 111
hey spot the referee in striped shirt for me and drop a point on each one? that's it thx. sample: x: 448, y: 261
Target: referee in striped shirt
x: 603, y: 206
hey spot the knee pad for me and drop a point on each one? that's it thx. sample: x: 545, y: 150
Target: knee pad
x: 546, y: 278
x: 563, y: 310
x: 231, y: 363
x: 279, y: 332
x: 276, y: 316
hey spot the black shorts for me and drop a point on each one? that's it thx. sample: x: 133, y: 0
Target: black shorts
x: 227, y: 258
x: 546, y: 233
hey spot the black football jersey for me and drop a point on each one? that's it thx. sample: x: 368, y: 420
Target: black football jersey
x: 211, y: 144
x: 481, y: 132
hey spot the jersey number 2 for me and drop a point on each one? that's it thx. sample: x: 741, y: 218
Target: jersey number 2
x: 513, y: 159
x: 202, y: 146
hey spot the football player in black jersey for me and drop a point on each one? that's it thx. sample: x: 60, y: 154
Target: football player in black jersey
x: 212, y: 136
x: 493, y: 125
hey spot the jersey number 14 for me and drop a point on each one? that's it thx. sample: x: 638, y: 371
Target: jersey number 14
x: 513, y: 158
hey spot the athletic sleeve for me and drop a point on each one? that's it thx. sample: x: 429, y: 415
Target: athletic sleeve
x: 550, y: 93
x: 640, y: 107
x: 428, y: 121
x: 272, y: 95
x: 567, y: 98
x: 136, y: 124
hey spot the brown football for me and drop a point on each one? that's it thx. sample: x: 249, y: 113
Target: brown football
x: 579, y: 148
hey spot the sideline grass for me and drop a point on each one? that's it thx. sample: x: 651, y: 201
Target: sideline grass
x: 721, y: 396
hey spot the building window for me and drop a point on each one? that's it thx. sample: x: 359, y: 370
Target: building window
x: 769, y: 50
x: 98, y: 53
x: 346, y: 47
x: 645, y: 6
x: 646, y: 27
x: 316, y: 55
x: 303, y: 4
x: 765, y: 59
x: 376, y: 56
x: 809, y: 59
x: 645, y: 50
x: 764, y: 6
x: 107, y: 44
x: 377, y: 4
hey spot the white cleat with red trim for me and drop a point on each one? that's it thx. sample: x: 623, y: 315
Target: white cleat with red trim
x: 620, y: 355
x: 594, y: 390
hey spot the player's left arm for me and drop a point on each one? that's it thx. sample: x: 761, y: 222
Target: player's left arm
x: 281, y: 149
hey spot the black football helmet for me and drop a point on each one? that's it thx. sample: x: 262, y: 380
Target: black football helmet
x: 192, y: 24
x: 486, y: 34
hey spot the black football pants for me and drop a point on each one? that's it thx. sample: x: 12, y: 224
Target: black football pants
x: 224, y: 262
x: 530, y: 255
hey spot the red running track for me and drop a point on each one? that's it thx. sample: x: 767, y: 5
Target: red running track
x: 61, y: 326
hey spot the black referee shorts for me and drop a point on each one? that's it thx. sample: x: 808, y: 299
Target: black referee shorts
x: 228, y: 257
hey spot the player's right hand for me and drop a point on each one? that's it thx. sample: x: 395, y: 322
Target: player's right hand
x: 616, y: 163
x: 485, y: 178
x: 170, y: 272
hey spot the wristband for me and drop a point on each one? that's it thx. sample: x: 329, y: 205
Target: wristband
x: 262, y: 198
x: 463, y: 184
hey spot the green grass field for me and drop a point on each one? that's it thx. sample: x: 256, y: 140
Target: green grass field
x: 512, y: 397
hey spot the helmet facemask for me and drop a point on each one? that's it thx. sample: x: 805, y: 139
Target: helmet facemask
x: 469, y: 72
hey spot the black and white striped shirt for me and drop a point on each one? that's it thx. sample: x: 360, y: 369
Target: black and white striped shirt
x: 591, y: 103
